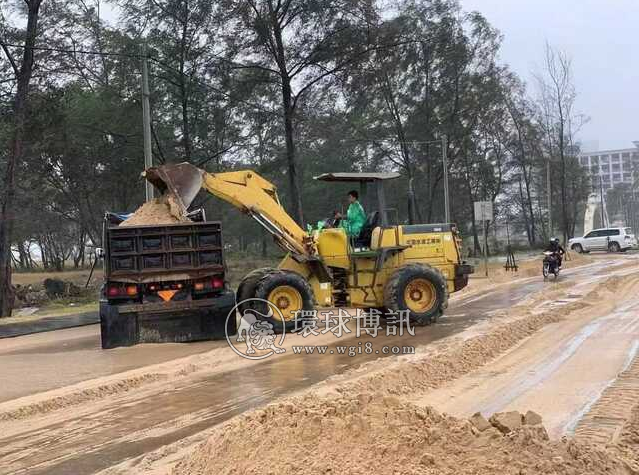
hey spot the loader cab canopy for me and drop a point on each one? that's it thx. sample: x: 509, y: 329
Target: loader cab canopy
x: 357, y: 177
x: 364, y: 179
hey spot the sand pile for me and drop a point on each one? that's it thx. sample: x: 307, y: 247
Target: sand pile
x: 378, y: 434
x: 628, y: 444
x: 460, y: 358
x: 79, y: 397
x: 159, y: 211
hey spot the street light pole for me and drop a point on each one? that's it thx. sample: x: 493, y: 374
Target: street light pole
x: 601, y: 198
x: 146, y: 120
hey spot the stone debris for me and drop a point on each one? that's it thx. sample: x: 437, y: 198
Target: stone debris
x: 507, y: 421
x: 480, y: 422
x: 531, y: 418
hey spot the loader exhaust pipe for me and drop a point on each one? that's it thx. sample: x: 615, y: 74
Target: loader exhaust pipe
x: 183, y: 181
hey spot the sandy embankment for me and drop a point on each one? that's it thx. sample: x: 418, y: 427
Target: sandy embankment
x: 361, y: 425
x: 367, y: 433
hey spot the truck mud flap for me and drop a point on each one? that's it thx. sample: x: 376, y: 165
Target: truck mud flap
x: 204, y: 322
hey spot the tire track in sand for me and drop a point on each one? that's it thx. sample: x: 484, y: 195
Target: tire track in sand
x: 605, y: 421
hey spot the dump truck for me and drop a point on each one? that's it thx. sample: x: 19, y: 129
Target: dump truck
x: 164, y: 283
x: 390, y: 267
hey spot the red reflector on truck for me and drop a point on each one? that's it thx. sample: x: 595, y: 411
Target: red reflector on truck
x: 217, y: 283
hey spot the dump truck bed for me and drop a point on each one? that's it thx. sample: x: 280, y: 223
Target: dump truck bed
x: 139, y: 254
x: 164, y: 284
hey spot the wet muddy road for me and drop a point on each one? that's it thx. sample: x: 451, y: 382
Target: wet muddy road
x: 140, y: 422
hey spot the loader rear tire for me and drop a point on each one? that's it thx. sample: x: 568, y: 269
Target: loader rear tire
x: 289, y: 292
x: 419, y: 289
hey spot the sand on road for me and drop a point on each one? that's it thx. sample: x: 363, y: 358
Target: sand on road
x: 62, y: 429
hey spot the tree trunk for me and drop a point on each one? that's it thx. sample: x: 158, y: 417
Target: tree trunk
x: 186, y: 128
x: 288, y: 107
x: 23, y: 77
x: 471, y: 200
x: 533, y: 230
x: 524, y: 210
x: 293, y: 179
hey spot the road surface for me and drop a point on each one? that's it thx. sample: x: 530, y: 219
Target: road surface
x: 131, y: 424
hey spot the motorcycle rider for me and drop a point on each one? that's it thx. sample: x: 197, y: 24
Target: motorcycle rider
x: 555, y: 247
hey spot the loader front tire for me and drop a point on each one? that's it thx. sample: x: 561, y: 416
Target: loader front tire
x: 246, y: 289
x: 420, y: 290
x: 289, y: 292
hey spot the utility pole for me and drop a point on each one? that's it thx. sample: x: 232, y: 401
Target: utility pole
x: 486, y: 247
x: 445, y: 165
x: 412, y: 211
x: 146, y: 120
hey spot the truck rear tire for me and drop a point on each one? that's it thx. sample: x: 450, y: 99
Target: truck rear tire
x: 419, y: 289
x: 289, y: 292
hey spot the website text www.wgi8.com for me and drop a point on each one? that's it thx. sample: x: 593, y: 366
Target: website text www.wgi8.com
x: 353, y: 350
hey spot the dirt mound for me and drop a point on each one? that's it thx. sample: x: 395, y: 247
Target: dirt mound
x: 75, y: 398
x: 459, y: 359
x: 159, y: 211
x: 628, y: 444
x: 376, y: 434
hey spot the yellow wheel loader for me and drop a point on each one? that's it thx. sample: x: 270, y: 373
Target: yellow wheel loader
x: 390, y: 267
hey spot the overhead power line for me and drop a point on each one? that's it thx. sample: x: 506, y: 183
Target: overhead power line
x: 75, y: 51
x: 201, y: 82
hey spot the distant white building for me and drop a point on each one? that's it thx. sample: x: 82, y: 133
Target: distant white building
x: 611, y: 167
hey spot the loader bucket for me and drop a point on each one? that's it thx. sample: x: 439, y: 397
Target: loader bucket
x: 183, y: 180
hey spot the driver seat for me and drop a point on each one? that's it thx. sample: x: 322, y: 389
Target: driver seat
x: 365, y: 235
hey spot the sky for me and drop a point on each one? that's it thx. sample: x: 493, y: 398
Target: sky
x: 601, y: 36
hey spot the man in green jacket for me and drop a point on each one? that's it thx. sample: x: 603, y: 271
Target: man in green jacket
x: 355, y: 216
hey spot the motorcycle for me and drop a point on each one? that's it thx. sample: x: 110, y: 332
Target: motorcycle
x: 551, y: 264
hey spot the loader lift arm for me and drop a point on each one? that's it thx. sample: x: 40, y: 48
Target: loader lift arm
x: 246, y: 190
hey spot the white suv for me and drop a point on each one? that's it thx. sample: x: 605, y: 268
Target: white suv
x: 608, y: 239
